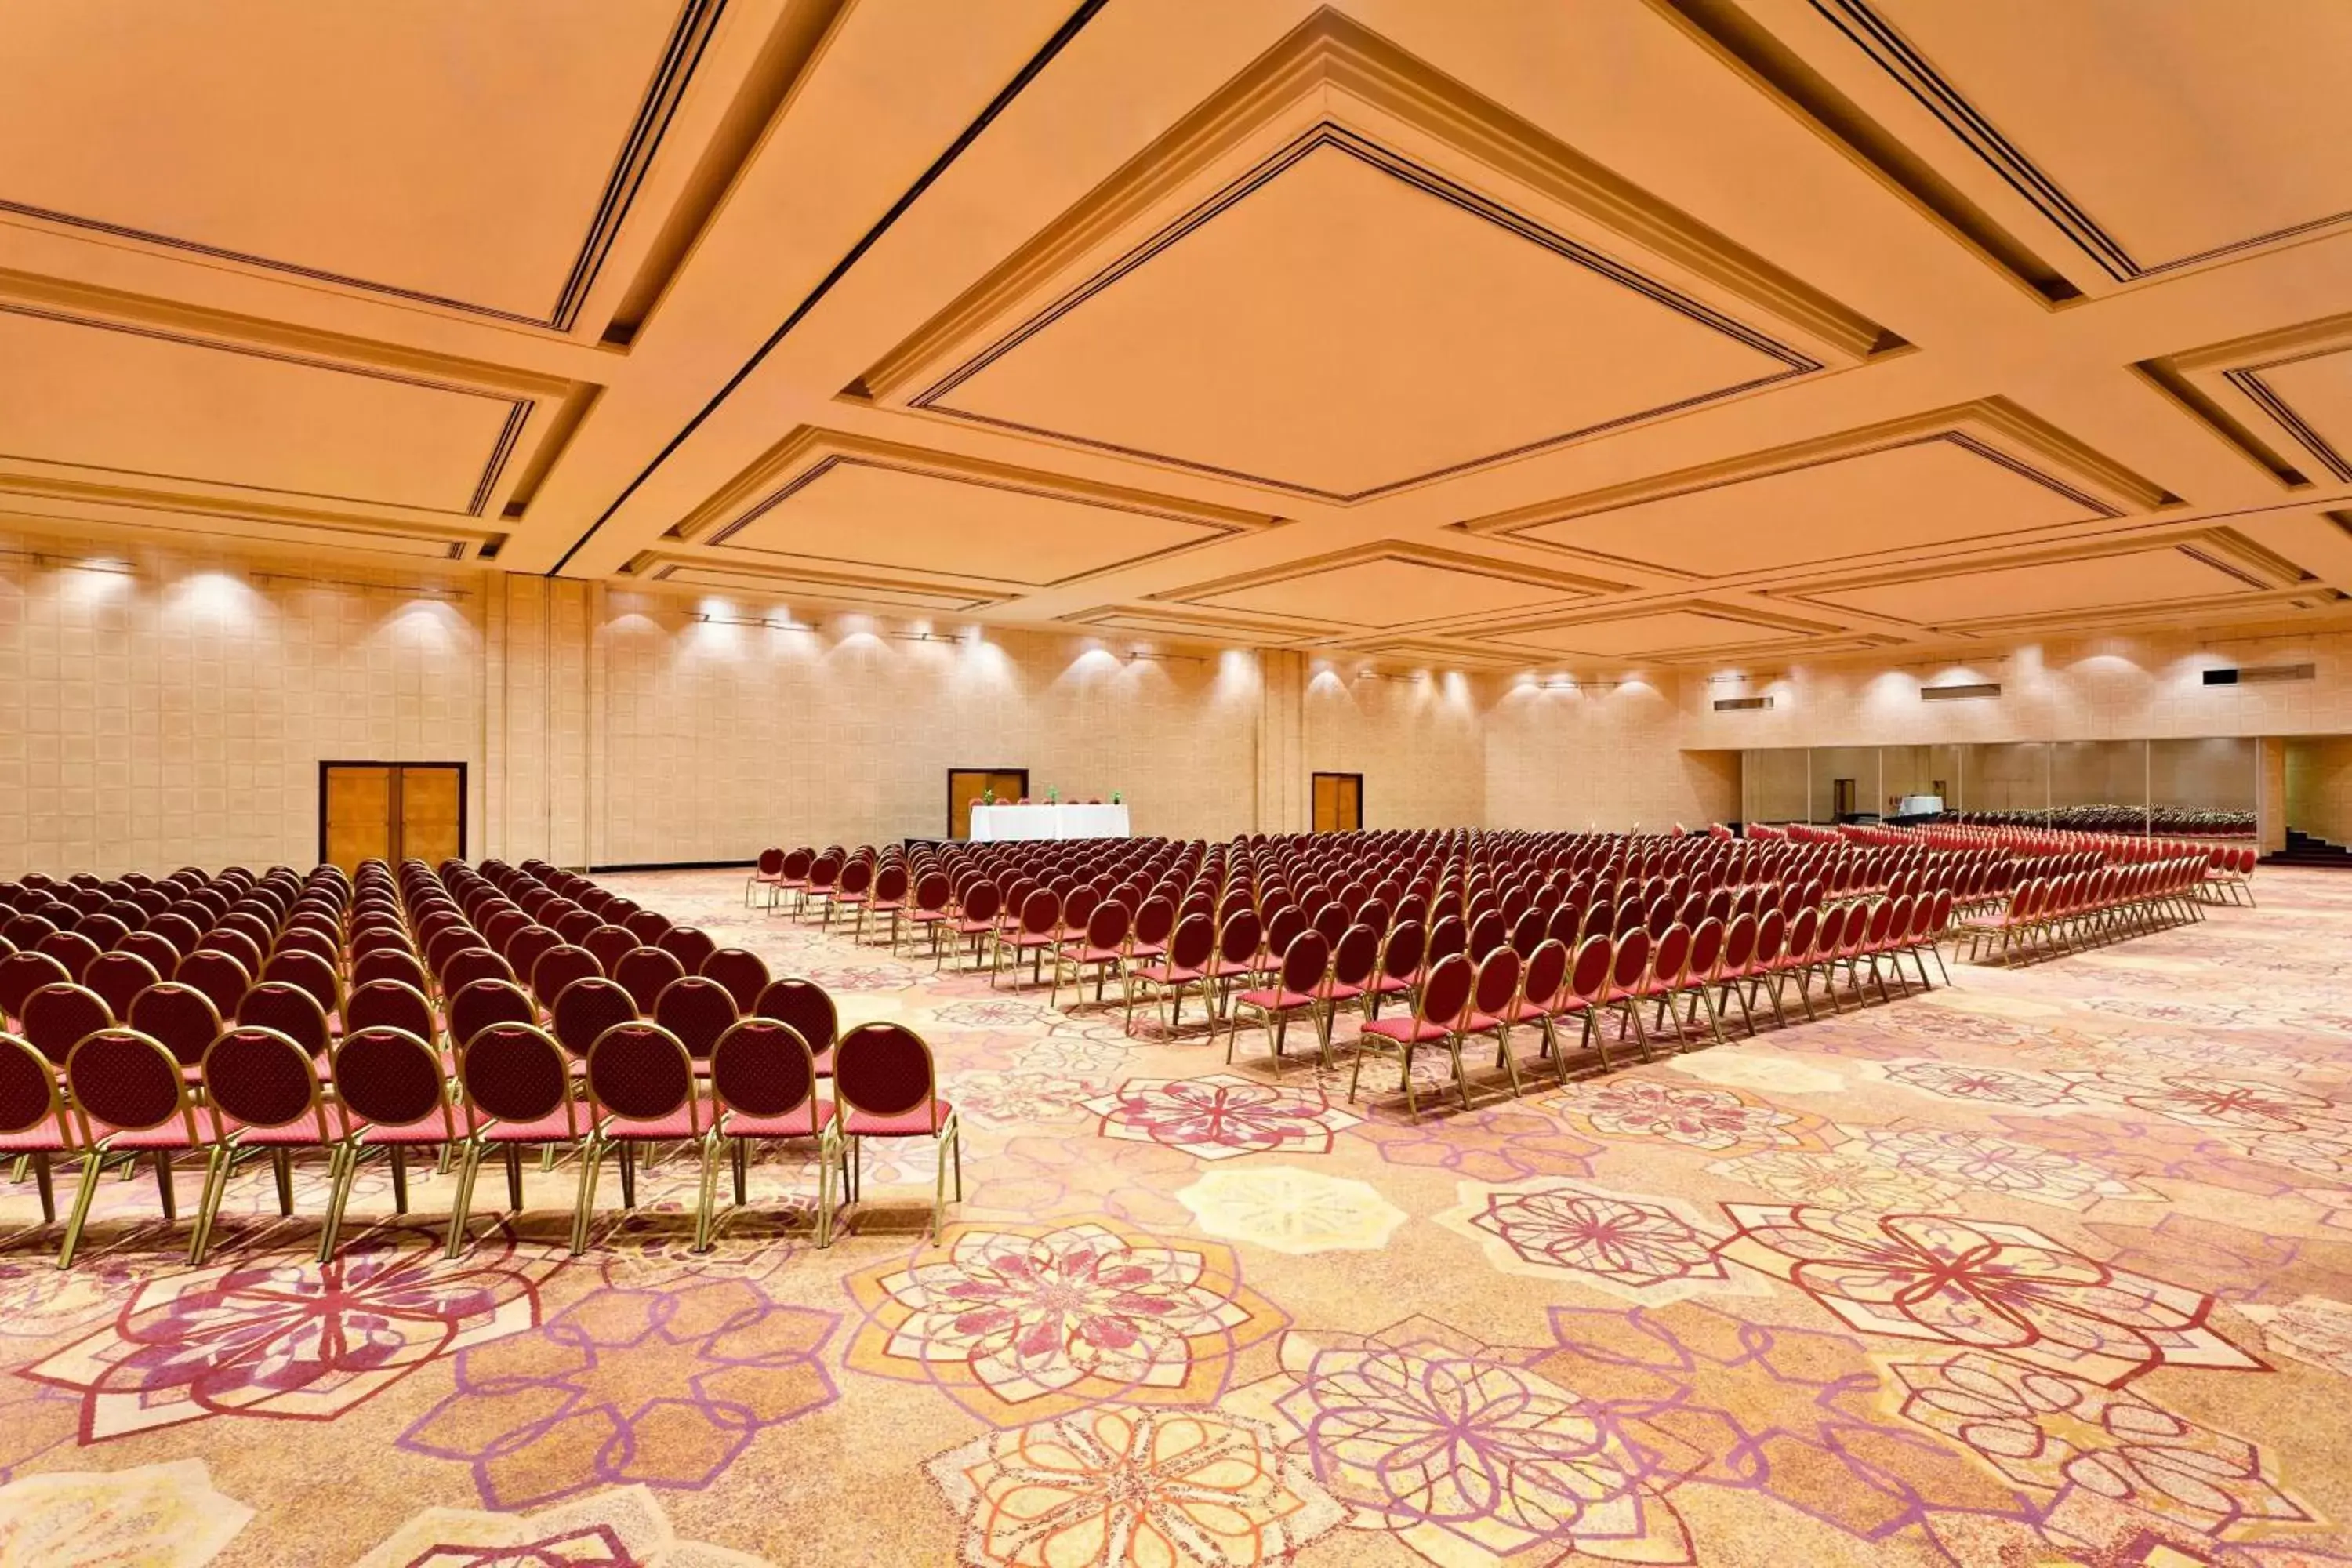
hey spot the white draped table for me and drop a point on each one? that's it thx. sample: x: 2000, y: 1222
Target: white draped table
x: 999, y: 823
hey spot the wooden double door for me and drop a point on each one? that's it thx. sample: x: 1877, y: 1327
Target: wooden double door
x: 1338, y: 803
x: 966, y: 786
x: 390, y: 811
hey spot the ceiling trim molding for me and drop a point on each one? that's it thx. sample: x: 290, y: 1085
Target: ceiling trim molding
x: 848, y: 589
x: 1567, y: 585
x: 2223, y: 550
x: 1162, y: 620
x: 1896, y: 55
x: 809, y: 453
x: 680, y: 55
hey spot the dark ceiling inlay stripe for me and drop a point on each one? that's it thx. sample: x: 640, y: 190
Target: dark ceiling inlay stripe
x: 1069, y: 29
x: 1877, y: 38
x: 2249, y: 382
x: 679, y: 58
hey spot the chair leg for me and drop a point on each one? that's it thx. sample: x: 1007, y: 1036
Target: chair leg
x: 469, y: 1164
x: 514, y: 1178
x: 1641, y: 1035
x: 592, y: 1162
x: 628, y: 1176
x: 339, y: 1167
x: 92, y: 1165
x: 399, y: 1158
x: 48, y: 1189
x: 281, y: 1164
x: 1461, y: 1079
x: 738, y: 1170
x: 708, y: 1191
x: 164, y: 1187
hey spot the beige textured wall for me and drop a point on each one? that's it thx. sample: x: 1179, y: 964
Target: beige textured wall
x: 721, y: 738
x: 1568, y: 758
x: 1417, y: 741
x: 173, y: 705
x: 2319, y: 787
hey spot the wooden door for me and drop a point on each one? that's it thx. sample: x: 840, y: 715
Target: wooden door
x: 966, y: 786
x: 355, y: 814
x: 390, y: 811
x: 1841, y: 792
x: 1338, y: 803
x: 432, y: 812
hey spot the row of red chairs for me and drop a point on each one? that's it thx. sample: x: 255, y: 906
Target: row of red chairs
x: 2047, y: 915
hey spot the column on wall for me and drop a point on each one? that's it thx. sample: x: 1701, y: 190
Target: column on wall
x: 1282, y: 791
x: 2269, y: 794
x: 540, y: 715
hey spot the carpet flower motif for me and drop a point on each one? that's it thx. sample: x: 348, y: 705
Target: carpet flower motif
x: 1983, y: 1284
x: 1835, y: 1180
x: 2310, y: 1329
x: 1221, y: 1115
x: 662, y: 1387
x: 1003, y: 1099
x: 1461, y: 1451
x: 1967, y: 1082
x: 2058, y: 1436
x: 1717, y: 1402
x: 1287, y: 1208
x: 1767, y: 1074
x: 1641, y: 1248
x: 288, y: 1339
x: 1133, y: 1488
x: 622, y: 1527
x: 2204, y: 1101
x: 156, y: 1516
x: 1486, y: 1145
x: 1980, y: 1161
x: 1017, y: 1324
x: 1038, y: 1176
x: 1696, y: 1116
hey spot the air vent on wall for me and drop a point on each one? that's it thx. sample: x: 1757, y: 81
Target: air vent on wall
x: 1954, y: 693
x: 2253, y: 673
x: 1740, y: 704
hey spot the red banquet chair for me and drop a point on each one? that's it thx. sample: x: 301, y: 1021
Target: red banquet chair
x: 640, y: 1086
x: 33, y: 1125
x: 1296, y: 989
x: 763, y: 1086
x: 644, y: 973
x: 743, y: 974
x: 887, y: 1087
x: 1184, y: 967
x: 697, y: 1011
x: 58, y: 1017
x: 128, y: 1097
x: 261, y: 1090
x: 806, y: 1008
x: 518, y: 1092
x: 1435, y: 1020
x: 692, y: 946
x: 391, y: 1093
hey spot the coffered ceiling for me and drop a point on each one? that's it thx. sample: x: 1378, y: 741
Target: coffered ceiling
x: 1582, y: 338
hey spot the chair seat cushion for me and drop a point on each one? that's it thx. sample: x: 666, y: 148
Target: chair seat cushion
x: 1389, y: 985
x: 1170, y: 974
x: 1145, y: 949
x: 1095, y: 955
x: 44, y: 1137
x: 792, y: 1125
x: 680, y: 1124
x: 1276, y: 999
x: 550, y: 1129
x: 1405, y: 1031
x: 171, y: 1135
x: 916, y: 1123
x: 302, y: 1133
x: 432, y: 1129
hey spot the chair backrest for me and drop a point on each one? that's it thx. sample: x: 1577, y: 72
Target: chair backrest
x: 1547, y: 972
x: 1240, y: 937
x: 891, y: 883
x: 56, y: 1017
x: 559, y: 967
x: 515, y: 1072
x: 388, y: 1076
x: 743, y: 972
x: 1305, y: 962
x: 181, y: 1016
x: 1448, y: 936
x: 28, y: 1087
x: 308, y: 937
x: 472, y: 963
x: 1497, y: 984
x: 586, y: 1008
x: 527, y: 944
x: 259, y: 1077
x: 120, y: 1081
x: 1406, y: 946
x: 696, y: 1010
x: 1633, y: 959
x: 1596, y: 959
x: 886, y: 1070
x: 290, y: 1010
x: 1739, y: 944
x: 159, y: 955
x: 1107, y: 927
x: 71, y: 948
x: 295, y: 966
x: 856, y: 877
x: 118, y: 977
x: 805, y: 1006
x: 645, y: 972
x: 609, y: 943
x: 764, y: 1067
x: 480, y: 1004
x: 1194, y: 942
x: 574, y: 924
x: 1705, y: 948
x: 641, y: 1072
x: 1445, y: 993
x: 982, y: 901
x: 1488, y: 932
x: 691, y: 945
x: 1803, y: 932
x: 389, y: 1004
x: 1041, y: 912
x: 103, y: 930
x: 1355, y: 956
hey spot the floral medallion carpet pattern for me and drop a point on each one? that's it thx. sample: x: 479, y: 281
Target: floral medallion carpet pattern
x: 2050, y: 1267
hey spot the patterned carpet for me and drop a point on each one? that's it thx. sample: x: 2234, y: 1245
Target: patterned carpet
x: 2051, y: 1267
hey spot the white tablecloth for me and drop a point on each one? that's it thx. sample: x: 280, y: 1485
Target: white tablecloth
x: 998, y: 824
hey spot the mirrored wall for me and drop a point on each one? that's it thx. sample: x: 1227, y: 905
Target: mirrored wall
x: 2117, y: 785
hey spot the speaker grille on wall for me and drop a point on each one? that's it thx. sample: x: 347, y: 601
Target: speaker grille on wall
x: 1740, y: 704
x: 2252, y: 674
x: 1954, y: 693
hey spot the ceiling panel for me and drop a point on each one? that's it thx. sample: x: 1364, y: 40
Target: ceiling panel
x: 144, y: 401
x: 2154, y: 135
x: 1938, y: 490
x: 476, y: 155
x: 2310, y: 398
x: 2142, y: 577
x: 857, y: 512
x: 1633, y: 636
x: 1387, y: 587
x: 1341, y: 323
